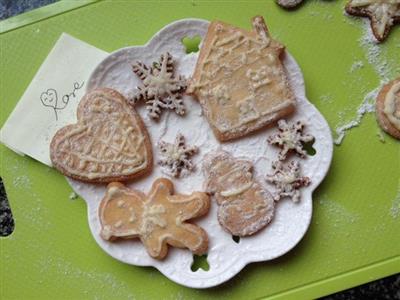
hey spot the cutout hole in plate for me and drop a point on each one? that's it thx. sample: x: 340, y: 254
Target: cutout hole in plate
x: 236, y: 239
x: 200, y: 262
x: 191, y: 43
x: 308, y: 147
x: 6, y: 219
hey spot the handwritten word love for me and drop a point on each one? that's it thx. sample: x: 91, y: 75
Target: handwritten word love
x: 49, y: 98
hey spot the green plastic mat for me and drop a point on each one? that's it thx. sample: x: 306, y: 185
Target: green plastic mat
x: 354, y: 236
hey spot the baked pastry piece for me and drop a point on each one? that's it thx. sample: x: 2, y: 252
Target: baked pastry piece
x: 240, y: 80
x: 388, y: 108
x: 176, y: 157
x: 290, y: 138
x: 158, y: 218
x: 161, y: 88
x: 287, y: 180
x: 382, y: 13
x: 108, y: 143
x: 245, y: 207
x: 289, y: 3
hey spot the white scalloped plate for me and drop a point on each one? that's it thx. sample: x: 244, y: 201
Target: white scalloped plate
x: 225, y: 257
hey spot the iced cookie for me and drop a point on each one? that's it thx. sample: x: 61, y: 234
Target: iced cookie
x: 159, y: 218
x: 290, y: 139
x: 382, y: 13
x: 388, y: 108
x: 176, y: 157
x: 161, y: 88
x: 245, y: 207
x: 240, y: 81
x: 287, y: 180
x: 108, y: 143
x: 289, y: 3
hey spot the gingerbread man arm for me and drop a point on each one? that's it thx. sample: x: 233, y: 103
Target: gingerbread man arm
x: 189, y: 236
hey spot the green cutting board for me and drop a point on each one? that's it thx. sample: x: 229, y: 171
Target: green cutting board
x: 355, y: 232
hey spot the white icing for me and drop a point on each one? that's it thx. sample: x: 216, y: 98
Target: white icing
x: 153, y: 215
x: 225, y: 257
x: 237, y: 191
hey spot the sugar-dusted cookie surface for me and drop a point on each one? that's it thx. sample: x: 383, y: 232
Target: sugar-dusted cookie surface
x: 287, y: 180
x: 289, y: 3
x: 245, y: 207
x: 388, y: 108
x: 382, y: 13
x: 158, y: 218
x: 290, y: 138
x: 161, y: 88
x: 240, y: 80
x: 108, y: 143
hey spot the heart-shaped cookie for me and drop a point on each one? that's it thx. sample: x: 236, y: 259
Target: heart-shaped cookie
x: 109, y: 142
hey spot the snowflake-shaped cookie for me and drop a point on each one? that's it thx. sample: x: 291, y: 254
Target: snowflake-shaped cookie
x: 161, y: 89
x: 287, y: 180
x: 290, y: 138
x: 176, y: 156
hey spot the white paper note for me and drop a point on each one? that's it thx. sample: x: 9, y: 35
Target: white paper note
x: 51, y: 99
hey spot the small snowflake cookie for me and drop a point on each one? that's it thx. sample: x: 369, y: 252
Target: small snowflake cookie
x: 287, y: 180
x: 176, y: 156
x: 161, y: 88
x: 290, y: 139
x: 157, y: 218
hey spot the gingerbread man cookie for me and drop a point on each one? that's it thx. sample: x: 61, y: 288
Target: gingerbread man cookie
x: 245, y: 207
x: 240, y: 81
x: 388, y: 108
x: 158, y: 218
x: 108, y: 143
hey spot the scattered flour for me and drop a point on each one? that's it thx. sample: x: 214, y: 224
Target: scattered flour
x: 338, y: 214
x: 328, y: 99
x: 374, y: 54
x: 96, y: 283
x: 367, y: 106
x: 383, y: 67
x: 356, y: 66
x: 22, y: 181
x: 395, y: 209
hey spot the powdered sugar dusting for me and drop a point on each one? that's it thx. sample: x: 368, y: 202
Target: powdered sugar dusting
x: 366, y: 106
x: 374, y: 54
x: 385, y: 69
x: 356, y: 66
x: 395, y: 209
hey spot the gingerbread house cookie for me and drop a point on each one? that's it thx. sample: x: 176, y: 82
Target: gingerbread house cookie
x: 240, y: 80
